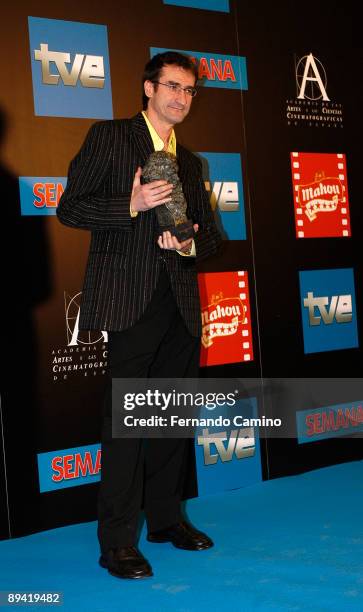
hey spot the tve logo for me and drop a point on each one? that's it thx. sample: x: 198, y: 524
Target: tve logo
x: 39, y: 195
x: 70, y: 69
x: 211, y: 5
x: 328, y: 310
x: 228, y: 458
x: 237, y: 443
x: 216, y: 70
x: 69, y: 468
x: 223, y: 180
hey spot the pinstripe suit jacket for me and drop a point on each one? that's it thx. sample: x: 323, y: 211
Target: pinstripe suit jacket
x: 124, y: 260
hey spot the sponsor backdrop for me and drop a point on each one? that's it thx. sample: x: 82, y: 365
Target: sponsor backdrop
x: 274, y: 125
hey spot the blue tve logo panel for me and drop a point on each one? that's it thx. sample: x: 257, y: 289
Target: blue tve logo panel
x: 228, y: 457
x: 208, y: 5
x: 328, y: 310
x: 222, y: 174
x: 70, y: 69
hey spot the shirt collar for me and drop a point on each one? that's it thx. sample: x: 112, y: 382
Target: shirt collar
x: 157, y: 141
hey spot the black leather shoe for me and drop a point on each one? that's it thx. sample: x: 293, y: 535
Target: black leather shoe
x: 182, y: 535
x: 127, y: 562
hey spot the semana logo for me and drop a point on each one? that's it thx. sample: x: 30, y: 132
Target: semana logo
x: 39, y: 195
x: 208, y: 5
x: 222, y: 174
x: 215, y: 69
x: 328, y: 310
x: 329, y: 422
x: 321, y: 201
x: 221, y: 452
x: 312, y: 105
x: 226, y: 319
x: 70, y: 467
x: 70, y: 69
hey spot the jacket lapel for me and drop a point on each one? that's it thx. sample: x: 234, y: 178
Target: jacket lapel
x: 141, y: 137
x: 180, y: 158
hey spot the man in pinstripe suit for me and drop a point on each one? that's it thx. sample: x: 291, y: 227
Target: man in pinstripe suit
x: 143, y: 290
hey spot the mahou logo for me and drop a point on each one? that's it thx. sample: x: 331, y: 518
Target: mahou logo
x: 320, y: 195
x: 221, y: 318
x: 226, y: 325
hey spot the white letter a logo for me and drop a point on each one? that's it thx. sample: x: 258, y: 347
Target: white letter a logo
x: 310, y: 63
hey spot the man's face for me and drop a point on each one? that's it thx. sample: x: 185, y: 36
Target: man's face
x: 170, y: 106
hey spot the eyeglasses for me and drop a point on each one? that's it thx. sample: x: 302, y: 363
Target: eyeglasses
x: 176, y: 88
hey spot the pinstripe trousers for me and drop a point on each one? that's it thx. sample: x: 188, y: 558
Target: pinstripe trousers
x: 160, y: 346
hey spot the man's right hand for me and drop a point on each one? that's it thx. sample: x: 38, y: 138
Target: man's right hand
x: 146, y: 197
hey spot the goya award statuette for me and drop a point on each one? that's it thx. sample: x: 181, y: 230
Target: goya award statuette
x: 171, y: 216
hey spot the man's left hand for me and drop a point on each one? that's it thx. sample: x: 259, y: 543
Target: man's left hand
x: 167, y: 241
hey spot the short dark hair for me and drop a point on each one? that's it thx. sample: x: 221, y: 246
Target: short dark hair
x: 154, y: 67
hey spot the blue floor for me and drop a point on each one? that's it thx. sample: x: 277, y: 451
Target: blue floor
x: 288, y: 544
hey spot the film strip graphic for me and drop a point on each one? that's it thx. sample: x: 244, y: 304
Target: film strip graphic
x: 320, y: 189
x: 226, y: 318
x: 246, y: 322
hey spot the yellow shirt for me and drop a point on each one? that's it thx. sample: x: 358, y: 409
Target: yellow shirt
x: 159, y: 146
x: 157, y: 141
